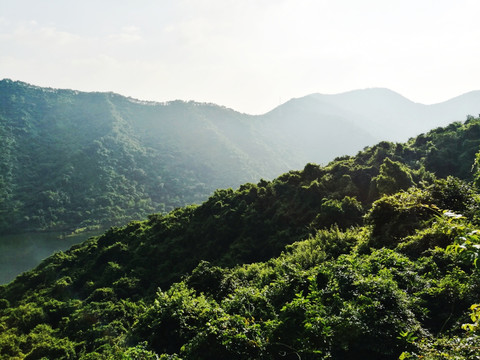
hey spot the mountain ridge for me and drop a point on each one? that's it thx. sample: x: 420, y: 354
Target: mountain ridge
x: 73, y: 159
x: 410, y: 118
x: 315, y: 94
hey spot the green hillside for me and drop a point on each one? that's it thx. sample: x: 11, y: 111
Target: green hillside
x: 71, y: 159
x: 370, y: 257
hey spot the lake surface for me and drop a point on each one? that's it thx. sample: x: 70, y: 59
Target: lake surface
x: 22, y: 252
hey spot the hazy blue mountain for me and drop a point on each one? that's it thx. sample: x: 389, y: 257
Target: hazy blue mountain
x: 389, y: 116
x: 316, y: 131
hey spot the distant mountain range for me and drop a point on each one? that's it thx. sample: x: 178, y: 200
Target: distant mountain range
x: 389, y: 116
x: 72, y: 159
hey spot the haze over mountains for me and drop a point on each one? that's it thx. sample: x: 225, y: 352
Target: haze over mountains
x: 383, y: 113
x: 71, y: 159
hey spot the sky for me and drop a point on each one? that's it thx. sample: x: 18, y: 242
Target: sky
x: 249, y: 55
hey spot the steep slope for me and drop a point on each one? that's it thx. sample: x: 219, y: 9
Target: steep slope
x: 256, y: 221
x: 72, y: 160
x: 359, y: 290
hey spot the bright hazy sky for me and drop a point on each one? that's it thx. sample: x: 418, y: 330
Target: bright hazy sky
x: 250, y: 55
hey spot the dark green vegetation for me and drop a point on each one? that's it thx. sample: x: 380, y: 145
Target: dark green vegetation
x: 72, y: 160
x: 370, y: 257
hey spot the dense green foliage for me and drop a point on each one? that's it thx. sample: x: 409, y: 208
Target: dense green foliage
x: 70, y: 160
x: 339, y: 294
x: 369, y: 257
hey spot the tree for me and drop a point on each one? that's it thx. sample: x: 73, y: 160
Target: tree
x: 393, y: 177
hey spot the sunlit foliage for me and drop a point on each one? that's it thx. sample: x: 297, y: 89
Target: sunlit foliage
x: 370, y: 257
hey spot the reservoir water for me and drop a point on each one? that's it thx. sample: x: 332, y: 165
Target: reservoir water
x: 22, y: 252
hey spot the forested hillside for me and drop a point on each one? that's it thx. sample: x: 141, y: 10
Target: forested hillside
x: 71, y: 160
x: 370, y: 257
